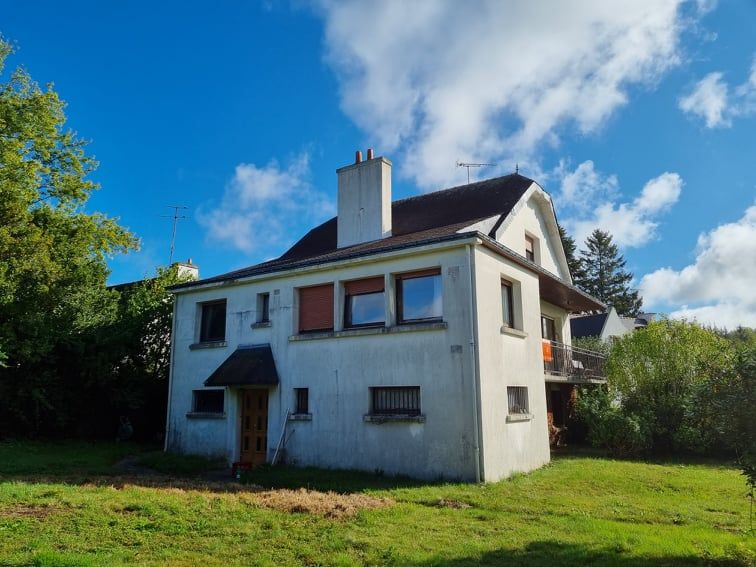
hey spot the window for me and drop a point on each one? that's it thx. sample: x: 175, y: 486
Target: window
x: 548, y: 328
x: 316, y: 308
x: 507, y: 303
x: 263, y: 307
x: 418, y: 296
x: 364, y: 303
x: 207, y: 401
x: 517, y: 397
x: 395, y: 400
x: 530, y: 248
x: 213, y: 322
x: 302, y: 400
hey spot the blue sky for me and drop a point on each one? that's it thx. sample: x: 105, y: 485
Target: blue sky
x: 640, y: 120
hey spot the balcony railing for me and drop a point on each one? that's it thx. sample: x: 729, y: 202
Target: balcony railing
x: 572, y: 362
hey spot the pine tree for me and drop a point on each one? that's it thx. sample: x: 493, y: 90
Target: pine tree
x: 573, y: 262
x: 605, y: 277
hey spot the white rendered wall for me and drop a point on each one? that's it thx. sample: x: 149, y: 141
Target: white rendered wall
x: 338, y: 372
x: 510, y: 359
x: 364, y: 202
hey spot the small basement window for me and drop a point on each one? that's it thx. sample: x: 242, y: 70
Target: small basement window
x: 517, y: 397
x: 419, y: 296
x: 364, y: 303
x: 301, y: 400
x: 207, y: 401
x: 213, y: 321
x: 395, y: 400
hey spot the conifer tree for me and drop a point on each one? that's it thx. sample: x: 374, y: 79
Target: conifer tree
x: 604, y: 275
x: 573, y: 262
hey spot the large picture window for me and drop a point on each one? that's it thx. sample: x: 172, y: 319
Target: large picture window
x: 364, y: 303
x: 213, y: 321
x: 419, y: 296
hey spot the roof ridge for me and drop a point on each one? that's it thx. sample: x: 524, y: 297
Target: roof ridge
x: 460, y: 187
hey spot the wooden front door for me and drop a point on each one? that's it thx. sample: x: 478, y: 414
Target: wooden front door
x: 254, y: 427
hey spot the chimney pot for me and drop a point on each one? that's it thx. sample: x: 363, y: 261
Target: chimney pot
x: 357, y: 156
x: 370, y: 153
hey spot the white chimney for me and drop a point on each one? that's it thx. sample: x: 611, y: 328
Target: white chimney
x: 364, y: 212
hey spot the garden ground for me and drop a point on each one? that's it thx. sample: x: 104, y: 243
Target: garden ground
x: 66, y: 504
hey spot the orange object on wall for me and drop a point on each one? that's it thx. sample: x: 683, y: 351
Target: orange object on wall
x: 547, y: 356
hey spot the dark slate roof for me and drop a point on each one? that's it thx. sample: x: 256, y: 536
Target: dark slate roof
x: 247, y: 366
x: 423, y: 219
x: 588, y: 325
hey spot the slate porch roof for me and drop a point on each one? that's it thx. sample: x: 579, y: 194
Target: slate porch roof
x: 247, y: 366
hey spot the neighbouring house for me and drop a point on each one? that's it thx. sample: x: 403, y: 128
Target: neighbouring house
x: 604, y: 326
x: 424, y: 336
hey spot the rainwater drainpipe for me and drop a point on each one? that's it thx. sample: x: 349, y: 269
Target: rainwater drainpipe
x: 479, y: 467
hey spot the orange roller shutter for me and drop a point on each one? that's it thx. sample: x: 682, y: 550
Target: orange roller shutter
x: 369, y: 285
x: 316, y: 308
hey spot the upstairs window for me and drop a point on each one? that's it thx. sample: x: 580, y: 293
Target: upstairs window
x: 213, y: 321
x: 364, y: 303
x: 517, y: 398
x: 530, y: 248
x: 418, y: 296
x: 395, y: 400
x: 507, y: 303
x: 548, y: 328
x: 316, y: 308
x: 207, y: 401
x: 263, y: 307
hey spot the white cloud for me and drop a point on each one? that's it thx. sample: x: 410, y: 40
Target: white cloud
x: 718, y: 288
x: 261, y: 204
x: 494, y: 81
x: 710, y: 99
x: 589, y: 198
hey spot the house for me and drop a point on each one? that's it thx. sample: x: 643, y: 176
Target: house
x: 604, y: 326
x: 422, y: 336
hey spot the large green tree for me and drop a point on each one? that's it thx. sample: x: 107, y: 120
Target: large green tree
x: 604, y: 276
x: 570, y: 251
x: 52, y: 252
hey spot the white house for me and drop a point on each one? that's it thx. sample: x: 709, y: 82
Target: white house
x: 404, y: 336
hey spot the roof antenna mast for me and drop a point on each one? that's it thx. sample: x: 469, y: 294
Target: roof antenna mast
x: 469, y: 165
x: 176, y: 217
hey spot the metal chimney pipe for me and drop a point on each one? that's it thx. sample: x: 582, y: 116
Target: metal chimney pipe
x: 357, y: 156
x: 370, y: 153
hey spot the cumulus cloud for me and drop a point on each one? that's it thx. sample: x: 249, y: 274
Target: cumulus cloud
x: 589, y: 200
x: 260, y: 205
x: 718, y: 288
x: 711, y: 100
x: 438, y: 81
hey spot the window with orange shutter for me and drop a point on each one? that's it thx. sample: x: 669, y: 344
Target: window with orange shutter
x: 316, y: 308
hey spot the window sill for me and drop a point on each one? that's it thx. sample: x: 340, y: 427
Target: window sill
x: 300, y: 417
x: 513, y: 332
x: 516, y: 417
x: 261, y: 325
x: 208, y: 344
x: 205, y: 415
x: 406, y: 328
x: 393, y: 418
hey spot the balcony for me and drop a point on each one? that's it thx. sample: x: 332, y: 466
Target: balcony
x: 571, y: 364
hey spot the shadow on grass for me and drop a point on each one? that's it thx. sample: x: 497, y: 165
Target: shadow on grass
x: 552, y: 553
x: 588, y: 452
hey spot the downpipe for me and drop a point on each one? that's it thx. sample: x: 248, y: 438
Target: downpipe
x: 479, y: 468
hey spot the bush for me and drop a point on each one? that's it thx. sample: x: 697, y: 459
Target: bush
x: 609, y: 426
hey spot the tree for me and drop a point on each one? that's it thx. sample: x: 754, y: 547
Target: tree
x: 573, y: 262
x: 52, y: 252
x: 604, y: 275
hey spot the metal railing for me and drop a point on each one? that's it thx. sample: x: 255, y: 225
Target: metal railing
x: 573, y: 362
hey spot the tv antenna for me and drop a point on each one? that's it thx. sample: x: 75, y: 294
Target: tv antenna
x: 176, y: 217
x: 469, y: 165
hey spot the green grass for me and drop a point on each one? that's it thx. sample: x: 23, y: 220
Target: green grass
x: 577, y: 511
x: 180, y: 465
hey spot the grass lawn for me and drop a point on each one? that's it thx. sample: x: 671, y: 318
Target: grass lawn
x: 64, y: 504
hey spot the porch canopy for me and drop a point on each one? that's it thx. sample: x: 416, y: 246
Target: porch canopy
x: 247, y: 366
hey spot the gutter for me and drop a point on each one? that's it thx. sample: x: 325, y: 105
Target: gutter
x: 476, y: 396
x: 170, y: 375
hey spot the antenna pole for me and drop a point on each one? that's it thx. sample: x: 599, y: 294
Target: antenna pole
x: 176, y: 217
x: 469, y: 165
